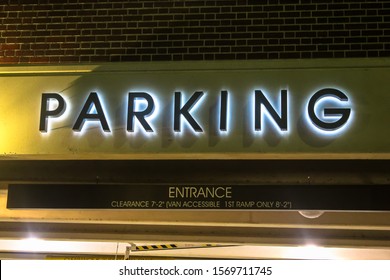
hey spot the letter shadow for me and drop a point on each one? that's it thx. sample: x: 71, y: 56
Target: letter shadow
x: 184, y: 138
x: 310, y: 137
x: 167, y: 134
x: 270, y: 134
x: 214, y: 133
x: 248, y: 136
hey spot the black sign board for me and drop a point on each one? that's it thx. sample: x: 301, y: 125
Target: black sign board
x: 200, y: 197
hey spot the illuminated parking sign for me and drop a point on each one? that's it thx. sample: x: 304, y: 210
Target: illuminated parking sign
x: 214, y: 110
x: 182, y: 111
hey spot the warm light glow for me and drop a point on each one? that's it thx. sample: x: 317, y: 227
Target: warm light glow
x: 309, y: 252
x: 35, y: 245
x: 32, y: 245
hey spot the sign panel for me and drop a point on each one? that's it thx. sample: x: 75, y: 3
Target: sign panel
x: 255, y: 109
x: 200, y: 197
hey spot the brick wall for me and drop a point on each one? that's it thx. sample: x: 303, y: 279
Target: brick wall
x: 73, y: 31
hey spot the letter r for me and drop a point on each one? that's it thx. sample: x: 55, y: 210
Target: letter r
x: 140, y: 115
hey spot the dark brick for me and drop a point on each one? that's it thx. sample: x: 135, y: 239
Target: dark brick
x: 209, y: 36
x: 257, y: 55
x: 372, y: 19
x: 385, y: 53
x: 274, y: 21
x: 384, y: 12
x: 178, y: 37
x: 224, y: 56
x: 275, y: 48
x: 372, y: 5
x: 356, y: 47
x: 338, y: 6
x: 291, y: 14
x: 285, y: 55
x: 355, y: 40
x: 258, y: 15
x: 226, y: 16
x: 39, y: 59
x: 273, y: 8
x: 306, y: 55
x: 338, y: 47
x: 321, y: 54
x: 356, y: 54
x: 242, y: 49
x: 193, y: 56
x: 322, y: 40
x: 241, y: 9
x: 339, y: 33
x: 338, y: 20
x: 148, y: 30
x: 161, y: 57
x: 323, y: 13
x: 259, y: 28
x: 385, y: 39
x: 306, y: 34
x: 180, y: 23
x: 285, y: 2
x: 320, y: 27
x: 274, y: 35
x: 303, y: 48
x: 355, y: 26
x: 290, y: 28
x: 241, y: 35
x: 121, y: 25
x: 289, y: 41
x: 39, y: 46
x: 309, y: 7
x: 355, y: 12
x: 209, y: 49
x: 306, y: 20
x: 372, y: 46
x: 60, y: 26
x: 224, y: 42
x: 163, y: 17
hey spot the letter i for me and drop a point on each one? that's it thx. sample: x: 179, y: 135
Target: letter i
x: 223, y: 111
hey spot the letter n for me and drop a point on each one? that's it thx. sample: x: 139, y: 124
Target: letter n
x: 279, y: 119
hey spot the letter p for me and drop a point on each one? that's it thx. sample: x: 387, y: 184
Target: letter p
x: 45, y: 109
